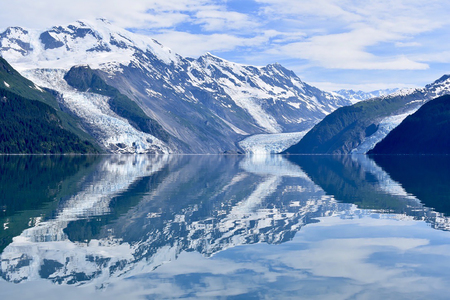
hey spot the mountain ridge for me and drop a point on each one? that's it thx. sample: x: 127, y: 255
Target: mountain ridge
x: 356, y: 96
x: 207, y: 104
x: 358, y: 128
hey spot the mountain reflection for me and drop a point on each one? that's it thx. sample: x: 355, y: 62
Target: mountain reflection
x: 359, y: 180
x: 103, y: 217
x: 425, y: 176
x: 32, y: 186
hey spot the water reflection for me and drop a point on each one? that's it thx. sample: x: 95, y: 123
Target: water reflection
x: 358, y: 179
x: 100, y: 219
x: 426, y: 176
x: 32, y: 186
x: 135, y: 208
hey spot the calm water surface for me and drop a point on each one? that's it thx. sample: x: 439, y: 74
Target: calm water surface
x: 229, y: 227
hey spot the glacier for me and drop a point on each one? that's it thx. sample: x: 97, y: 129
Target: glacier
x: 111, y: 131
x: 384, y: 127
x: 271, y: 143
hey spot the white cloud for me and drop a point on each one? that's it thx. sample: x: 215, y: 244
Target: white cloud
x: 360, y: 26
x: 321, y: 8
x: 407, y: 44
x: 347, y: 51
x: 363, y: 36
x: 139, y: 14
x: 436, y: 57
x: 193, y: 45
x: 219, y: 20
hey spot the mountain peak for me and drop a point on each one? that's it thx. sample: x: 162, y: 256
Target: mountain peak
x: 16, y: 40
x: 14, y: 29
x: 279, y: 67
x: 275, y: 65
x: 106, y: 21
x: 95, y: 43
x: 232, y: 99
x: 442, y: 79
x: 211, y: 57
x: 439, y: 87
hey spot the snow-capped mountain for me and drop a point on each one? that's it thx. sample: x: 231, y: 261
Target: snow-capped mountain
x: 206, y: 105
x: 415, y: 99
x: 358, y: 128
x: 356, y: 96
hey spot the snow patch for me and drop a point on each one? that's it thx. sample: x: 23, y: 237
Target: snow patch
x: 38, y: 88
x: 356, y: 96
x: 385, y: 126
x: 293, y: 104
x: 249, y: 104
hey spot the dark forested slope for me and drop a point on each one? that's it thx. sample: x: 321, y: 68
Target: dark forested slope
x: 31, y: 121
x: 427, y: 131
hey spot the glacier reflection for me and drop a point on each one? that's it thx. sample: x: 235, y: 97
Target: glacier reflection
x: 129, y: 216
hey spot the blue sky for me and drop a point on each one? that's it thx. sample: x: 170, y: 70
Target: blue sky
x: 332, y: 44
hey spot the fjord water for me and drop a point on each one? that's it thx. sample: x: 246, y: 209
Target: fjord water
x: 239, y: 227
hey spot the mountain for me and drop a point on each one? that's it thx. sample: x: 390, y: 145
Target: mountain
x: 84, y: 79
x: 358, y: 128
x: 356, y: 96
x: 31, y: 120
x: 424, y: 132
x: 203, y: 105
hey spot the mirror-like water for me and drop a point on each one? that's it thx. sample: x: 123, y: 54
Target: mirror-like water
x: 152, y: 227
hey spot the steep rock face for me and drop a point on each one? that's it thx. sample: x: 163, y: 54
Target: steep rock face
x: 207, y: 104
x: 358, y: 128
x: 274, y: 96
x: 15, y: 39
x: 424, y: 132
